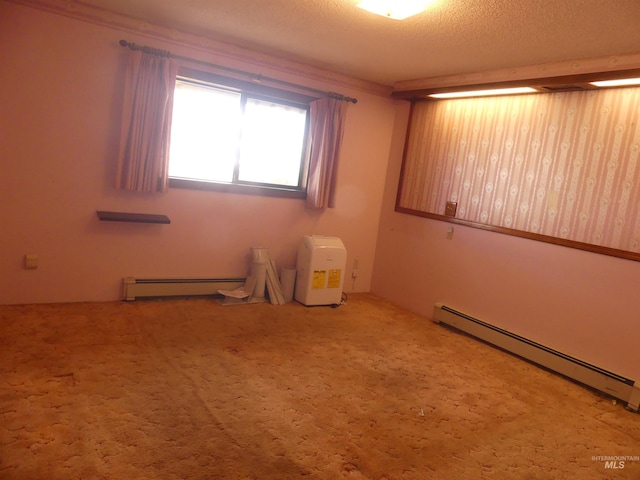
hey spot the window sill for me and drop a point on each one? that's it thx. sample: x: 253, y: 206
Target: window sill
x: 263, y: 190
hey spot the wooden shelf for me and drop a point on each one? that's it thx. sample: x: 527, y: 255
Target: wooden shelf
x: 132, y: 217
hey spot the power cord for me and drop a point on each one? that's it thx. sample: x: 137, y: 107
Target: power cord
x: 343, y: 301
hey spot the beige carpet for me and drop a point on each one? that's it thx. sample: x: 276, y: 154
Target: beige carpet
x: 189, y: 389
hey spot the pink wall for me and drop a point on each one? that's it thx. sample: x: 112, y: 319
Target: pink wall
x: 59, y: 130
x: 578, y: 302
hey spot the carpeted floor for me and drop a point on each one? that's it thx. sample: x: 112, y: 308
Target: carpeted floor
x: 189, y: 389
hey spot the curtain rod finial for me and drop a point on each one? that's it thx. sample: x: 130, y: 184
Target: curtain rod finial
x: 123, y: 43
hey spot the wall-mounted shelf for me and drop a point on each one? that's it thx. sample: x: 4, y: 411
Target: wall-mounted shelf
x: 132, y: 217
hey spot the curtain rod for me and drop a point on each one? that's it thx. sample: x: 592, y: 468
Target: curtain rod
x: 255, y: 77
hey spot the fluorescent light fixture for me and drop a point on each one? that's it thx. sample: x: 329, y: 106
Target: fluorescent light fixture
x: 396, y: 9
x: 617, y: 83
x: 484, y: 93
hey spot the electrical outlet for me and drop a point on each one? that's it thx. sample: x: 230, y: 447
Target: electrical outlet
x: 31, y: 261
x: 356, y: 263
x: 449, y: 233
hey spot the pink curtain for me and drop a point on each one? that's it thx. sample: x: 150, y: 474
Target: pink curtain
x: 146, y: 123
x: 327, y: 117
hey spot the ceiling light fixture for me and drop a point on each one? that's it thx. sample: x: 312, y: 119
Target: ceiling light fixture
x: 484, y: 93
x: 396, y: 9
x: 623, y: 82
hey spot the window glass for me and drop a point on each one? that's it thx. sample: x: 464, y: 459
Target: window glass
x: 230, y: 136
x: 272, y: 141
x: 204, y: 133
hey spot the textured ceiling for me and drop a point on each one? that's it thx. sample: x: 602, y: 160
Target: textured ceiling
x: 451, y: 37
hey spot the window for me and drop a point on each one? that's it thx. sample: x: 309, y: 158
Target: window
x: 233, y: 134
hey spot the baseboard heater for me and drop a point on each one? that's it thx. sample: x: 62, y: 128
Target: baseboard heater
x: 582, y: 372
x: 137, y: 288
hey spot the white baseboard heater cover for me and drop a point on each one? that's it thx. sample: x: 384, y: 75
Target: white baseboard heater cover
x: 607, y: 382
x: 134, y: 288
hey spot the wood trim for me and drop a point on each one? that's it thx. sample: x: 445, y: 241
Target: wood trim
x: 613, y: 252
x: 404, y: 155
x: 602, y: 66
x: 545, y: 85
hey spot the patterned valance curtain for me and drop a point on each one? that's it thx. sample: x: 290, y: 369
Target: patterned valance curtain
x: 146, y: 122
x: 327, y: 117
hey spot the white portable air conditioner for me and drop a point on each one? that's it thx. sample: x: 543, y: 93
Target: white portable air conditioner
x: 321, y: 270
